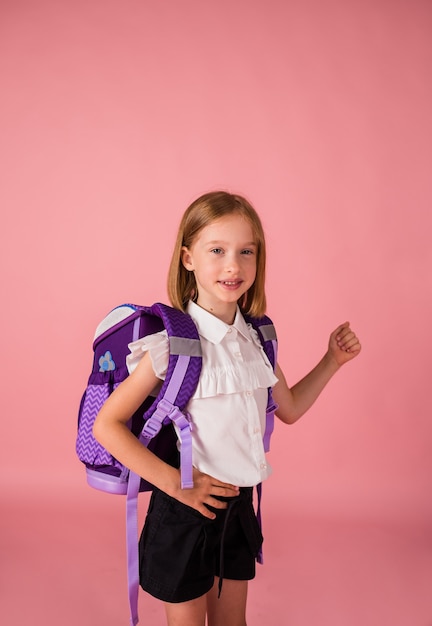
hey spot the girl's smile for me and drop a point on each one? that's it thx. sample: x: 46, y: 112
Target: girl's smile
x: 232, y: 284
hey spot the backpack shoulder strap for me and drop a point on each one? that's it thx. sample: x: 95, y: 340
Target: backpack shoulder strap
x: 184, y: 368
x: 183, y: 372
x: 184, y: 354
x: 267, y: 335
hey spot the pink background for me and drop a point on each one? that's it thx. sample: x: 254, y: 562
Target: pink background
x: 114, y: 116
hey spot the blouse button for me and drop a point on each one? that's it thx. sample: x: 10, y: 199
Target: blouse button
x: 263, y: 466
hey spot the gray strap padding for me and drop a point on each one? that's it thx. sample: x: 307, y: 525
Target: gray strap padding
x: 183, y: 345
x: 268, y: 332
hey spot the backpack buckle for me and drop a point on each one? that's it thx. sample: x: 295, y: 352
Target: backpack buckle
x: 181, y: 420
x: 151, y: 427
x: 271, y: 404
x: 271, y: 407
x: 165, y: 412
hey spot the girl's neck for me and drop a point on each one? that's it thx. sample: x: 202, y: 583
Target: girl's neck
x: 226, y: 313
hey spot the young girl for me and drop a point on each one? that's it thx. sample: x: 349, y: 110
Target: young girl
x: 194, y: 538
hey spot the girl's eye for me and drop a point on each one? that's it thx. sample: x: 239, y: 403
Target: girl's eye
x: 247, y: 252
x: 216, y: 250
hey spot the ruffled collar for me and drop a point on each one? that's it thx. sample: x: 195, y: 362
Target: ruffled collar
x: 212, y: 328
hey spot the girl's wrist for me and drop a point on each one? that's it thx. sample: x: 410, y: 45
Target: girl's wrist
x: 331, y: 363
x: 172, y: 482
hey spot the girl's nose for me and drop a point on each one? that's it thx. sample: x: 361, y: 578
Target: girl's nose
x: 232, y: 264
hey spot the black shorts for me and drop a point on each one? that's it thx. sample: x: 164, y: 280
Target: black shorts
x: 181, y: 551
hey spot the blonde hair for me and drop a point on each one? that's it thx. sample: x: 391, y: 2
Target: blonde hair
x: 202, y: 212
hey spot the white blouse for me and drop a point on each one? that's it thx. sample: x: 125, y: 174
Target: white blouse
x: 228, y: 408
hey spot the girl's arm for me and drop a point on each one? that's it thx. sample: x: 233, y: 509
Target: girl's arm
x: 111, y: 430
x: 294, y: 402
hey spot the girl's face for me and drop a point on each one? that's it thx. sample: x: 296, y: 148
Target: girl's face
x: 223, y: 258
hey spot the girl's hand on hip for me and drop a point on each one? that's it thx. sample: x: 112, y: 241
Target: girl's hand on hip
x: 203, y: 492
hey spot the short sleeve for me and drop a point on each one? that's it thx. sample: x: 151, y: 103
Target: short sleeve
x: 158, y: 347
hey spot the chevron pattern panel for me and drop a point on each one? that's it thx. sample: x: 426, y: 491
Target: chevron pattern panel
x: 88, y: 449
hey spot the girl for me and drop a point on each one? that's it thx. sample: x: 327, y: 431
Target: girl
x: 193, y: 538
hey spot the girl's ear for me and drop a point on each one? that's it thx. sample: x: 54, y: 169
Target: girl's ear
x: 186, y: 258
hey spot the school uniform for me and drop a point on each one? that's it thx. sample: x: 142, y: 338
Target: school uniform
x: 180, y: 550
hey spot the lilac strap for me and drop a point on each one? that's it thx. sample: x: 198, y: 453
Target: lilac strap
x: 131, y: 543
x: 165, y: 411
x: 136, y: 328
x: 184, y: 424
x: 270, y: 414
x: 271, y: 408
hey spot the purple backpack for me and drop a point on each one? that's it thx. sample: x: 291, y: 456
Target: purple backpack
x: 153, y: 422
